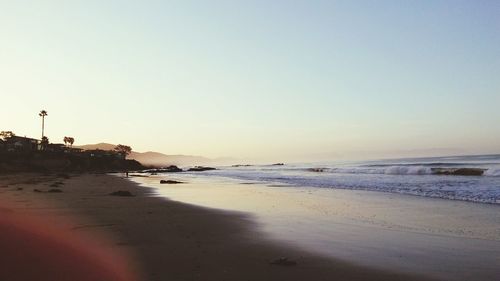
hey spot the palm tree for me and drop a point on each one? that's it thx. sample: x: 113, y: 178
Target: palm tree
x: 44, y: 143
x: 69, y: 140
x: 42, y: 114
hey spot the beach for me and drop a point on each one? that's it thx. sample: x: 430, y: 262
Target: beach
x: 250, y: 140
x: 160, y: 239
x: 437, y: 238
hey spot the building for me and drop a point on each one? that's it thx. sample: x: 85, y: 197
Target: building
x: 73, y: 150
x: 21, y: 144
x: 56, y: 147
x: 98, y: 153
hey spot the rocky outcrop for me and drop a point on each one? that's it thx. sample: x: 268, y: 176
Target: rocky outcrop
x: 459, y: 172
x: 169, y: 169
x: 317, y: 170
x: 201, y: 169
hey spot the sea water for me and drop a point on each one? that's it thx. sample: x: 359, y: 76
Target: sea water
x: 416, y: 176
x: 361, y: 212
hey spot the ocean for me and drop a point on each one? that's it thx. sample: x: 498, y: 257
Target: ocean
x: 438, y: 177
x: 416, y: 215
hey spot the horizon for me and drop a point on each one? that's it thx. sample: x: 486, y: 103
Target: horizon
x: 287, y: 82
x: 227, y: 161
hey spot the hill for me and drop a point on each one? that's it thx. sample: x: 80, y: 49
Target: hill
x: 101, y: 146
x: 154, y: 158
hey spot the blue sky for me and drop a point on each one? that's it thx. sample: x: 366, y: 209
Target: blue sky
x: 293, y: 80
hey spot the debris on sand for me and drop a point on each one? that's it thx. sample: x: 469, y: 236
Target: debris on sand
x: 64, y: 176
x: 170, y: 182
x: 123, y: 193
x: 57, y: 184
x: 283, y: 262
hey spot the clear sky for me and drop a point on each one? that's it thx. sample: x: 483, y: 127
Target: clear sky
x: 291, y: 80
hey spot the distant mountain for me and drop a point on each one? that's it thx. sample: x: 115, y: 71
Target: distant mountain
x: 160, y: 159
x: 154, y: 158
x: 101, y: 146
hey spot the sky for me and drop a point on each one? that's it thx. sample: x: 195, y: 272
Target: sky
x: 274, y: 80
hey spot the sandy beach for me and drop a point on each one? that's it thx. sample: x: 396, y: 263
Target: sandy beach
x: 442, y: 239
x: 158, y: 239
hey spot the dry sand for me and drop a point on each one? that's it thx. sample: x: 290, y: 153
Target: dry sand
x: 158, y: 239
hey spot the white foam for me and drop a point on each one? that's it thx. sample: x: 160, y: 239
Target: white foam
x: 492, y: 172
x: 406, y: 170
x: 391, y: 170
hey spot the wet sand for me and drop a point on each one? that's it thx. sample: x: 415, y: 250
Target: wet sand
x: 167, y: 240
x: 444, y: 239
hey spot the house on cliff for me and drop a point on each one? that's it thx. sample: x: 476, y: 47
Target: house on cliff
x: 109, y: 154
x: 73, y: 150
x: 56, y: 147
x: 62, y: 148
x: 20, y: 144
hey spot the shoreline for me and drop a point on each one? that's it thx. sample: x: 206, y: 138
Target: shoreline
x: 172, y: 240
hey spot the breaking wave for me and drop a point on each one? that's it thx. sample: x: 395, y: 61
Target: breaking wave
x: 492, y: 172
x: 389, y: 170
x: 411, y: 170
